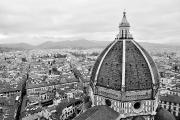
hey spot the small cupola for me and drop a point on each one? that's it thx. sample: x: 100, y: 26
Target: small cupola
x: 124, y: 27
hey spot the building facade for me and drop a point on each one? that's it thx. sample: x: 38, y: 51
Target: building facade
x: 45, y: 92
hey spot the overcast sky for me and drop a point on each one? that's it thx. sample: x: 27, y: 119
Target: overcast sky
x: 37, y: 21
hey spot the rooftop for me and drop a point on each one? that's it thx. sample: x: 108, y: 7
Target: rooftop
x: 171, y: 98
x: 65, y: 103
x: 98, y: 113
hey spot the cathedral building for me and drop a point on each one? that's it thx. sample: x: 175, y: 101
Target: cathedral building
x: 125, y: 79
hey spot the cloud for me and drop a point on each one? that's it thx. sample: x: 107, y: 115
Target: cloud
x: 24, y: 20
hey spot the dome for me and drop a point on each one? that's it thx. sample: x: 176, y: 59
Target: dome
x: 126, y: 67
x: 163, y: 114
x: 140, y: 70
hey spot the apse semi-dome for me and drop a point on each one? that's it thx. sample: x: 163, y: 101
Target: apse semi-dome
x: 125, y: 68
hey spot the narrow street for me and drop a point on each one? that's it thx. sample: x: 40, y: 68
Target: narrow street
x: 23, y: 94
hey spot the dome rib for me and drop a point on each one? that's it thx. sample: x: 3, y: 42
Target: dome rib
x: 138, y: 75
x: 147, y: 61
x: 123, y: 65
x: 94, y: 70
x: 152, y: 64
x: 102, y: 59
x: 109, y: 72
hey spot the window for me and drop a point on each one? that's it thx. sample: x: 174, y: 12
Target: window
x: 108, y: 102
x: 1, y: 110
x: 117, y: 65
x: 130, y: 65
x: 137, y: 105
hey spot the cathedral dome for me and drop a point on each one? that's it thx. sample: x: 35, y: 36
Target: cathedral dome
x: 126, y: 67
x: 163, y: 114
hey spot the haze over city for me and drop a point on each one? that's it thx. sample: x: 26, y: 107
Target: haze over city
x: 37, y: 21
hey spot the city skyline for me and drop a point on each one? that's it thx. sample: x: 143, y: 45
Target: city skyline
x: 38, y: 21
x: 62, y: 60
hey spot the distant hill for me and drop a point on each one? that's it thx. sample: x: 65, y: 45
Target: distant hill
x: 17, y: 46
x: 158, y: 46
x: 82, y: 43
x: 73, y: 44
